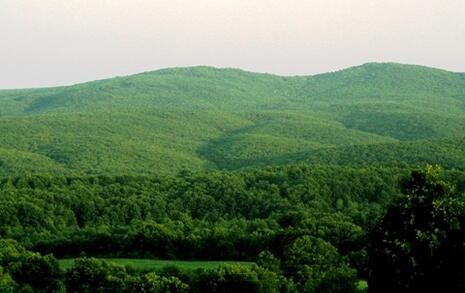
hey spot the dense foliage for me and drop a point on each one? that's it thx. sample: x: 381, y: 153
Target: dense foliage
x: 306, y: 177
x: 304, y: 226
x: 205, y: 118
x: 419, y: 246
x: 200, y: 206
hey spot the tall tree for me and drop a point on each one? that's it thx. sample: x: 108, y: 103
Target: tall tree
x: 419, y: 245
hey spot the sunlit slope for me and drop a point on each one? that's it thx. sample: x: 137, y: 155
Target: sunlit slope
x: 143, y: 142
x: 14, y: 162
x: 201, y: 117
x: 188, y: 88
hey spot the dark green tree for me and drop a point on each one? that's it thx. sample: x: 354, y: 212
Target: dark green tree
x: 317, y: 267
x: 93, y: 275
x: 153, y: 283
x: 419, y: 245
x: 7, y: 285
x: 40, y: 273
x: 268, y: 261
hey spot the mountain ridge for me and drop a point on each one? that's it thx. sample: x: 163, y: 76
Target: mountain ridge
x: 184, y: 68
x: 205, y: 118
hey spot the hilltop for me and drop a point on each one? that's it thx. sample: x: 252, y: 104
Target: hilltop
x: 200, y: 118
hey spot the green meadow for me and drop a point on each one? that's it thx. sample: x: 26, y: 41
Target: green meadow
x: 152, y: 264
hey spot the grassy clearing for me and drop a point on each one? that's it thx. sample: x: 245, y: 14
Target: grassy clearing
x: 150, y: 264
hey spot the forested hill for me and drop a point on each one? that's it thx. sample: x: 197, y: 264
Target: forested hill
x: 207, y: 118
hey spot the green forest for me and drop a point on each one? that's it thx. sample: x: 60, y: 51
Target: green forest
x: 203, y: 119
x: 220, y: 180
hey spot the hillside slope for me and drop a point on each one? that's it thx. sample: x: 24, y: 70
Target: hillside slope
x: 202, y: 118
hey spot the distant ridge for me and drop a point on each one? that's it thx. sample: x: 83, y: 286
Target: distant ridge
x: 204, y: 117
x: 208, y: 67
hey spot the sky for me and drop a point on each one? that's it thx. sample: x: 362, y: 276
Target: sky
x: 60, y: 42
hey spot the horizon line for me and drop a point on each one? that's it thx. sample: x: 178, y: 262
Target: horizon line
x: 227, y: 68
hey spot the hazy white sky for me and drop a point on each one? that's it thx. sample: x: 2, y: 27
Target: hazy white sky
x: 55, y: 42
